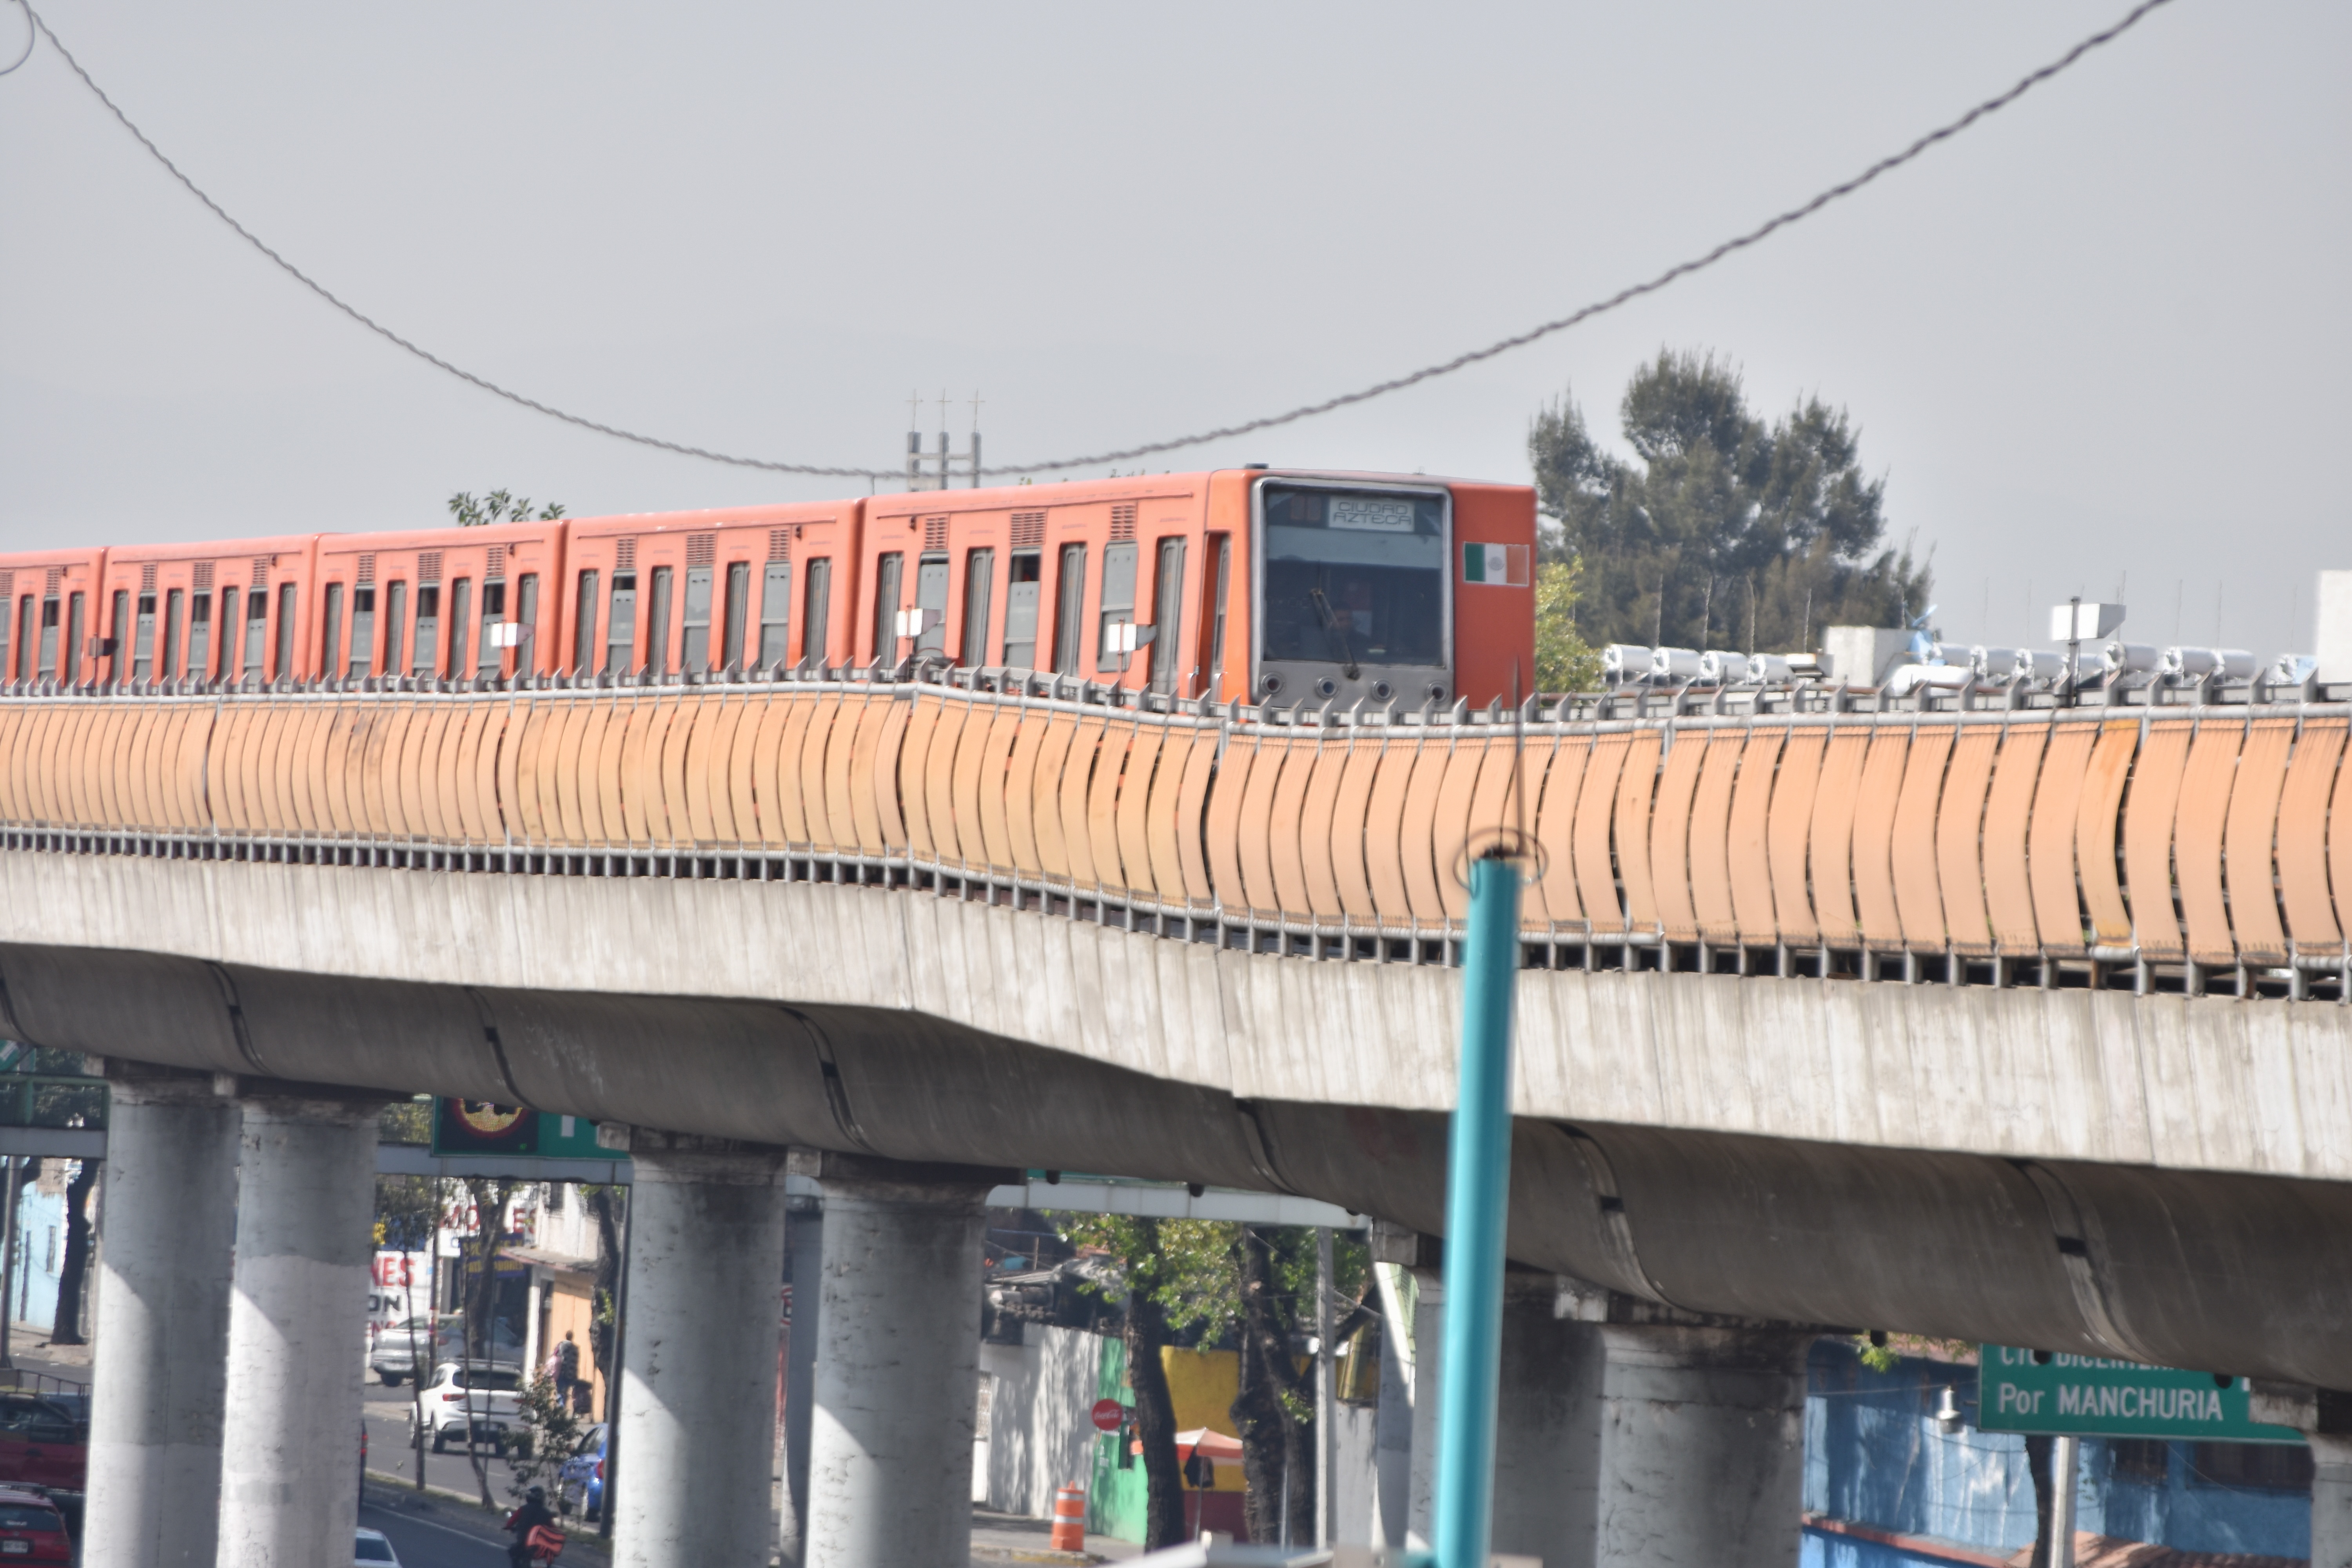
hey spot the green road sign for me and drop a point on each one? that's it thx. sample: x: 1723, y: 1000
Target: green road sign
x: 477, y: 1127
x: 2083, y: 1396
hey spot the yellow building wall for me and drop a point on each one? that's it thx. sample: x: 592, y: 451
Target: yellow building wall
x: 1202, y: 1385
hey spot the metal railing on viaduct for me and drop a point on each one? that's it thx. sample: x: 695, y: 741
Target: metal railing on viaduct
x: 2153, y: 845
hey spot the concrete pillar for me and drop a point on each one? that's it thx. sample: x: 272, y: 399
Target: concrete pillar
x: 699, y: 1360
x: 297, y: 1312
x: 1392, y: 1439
x: 897, y: 1370
x: 2331, y: 1500
x: 805, y: 1250
x: 1547, y: 1428
x: 1701, y: 1452
x: 169, y: 1225
x: 1428, y: 1350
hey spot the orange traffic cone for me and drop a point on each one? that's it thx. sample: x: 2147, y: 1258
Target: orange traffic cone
x: 1070, y: 1519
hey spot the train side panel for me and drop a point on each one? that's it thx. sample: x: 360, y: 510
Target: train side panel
x: 428, y: 602
x: 739, y: 587
x: 1041, y: 578
x: 50, y: 600
x: 1494, y: 597
x: 216, y: 610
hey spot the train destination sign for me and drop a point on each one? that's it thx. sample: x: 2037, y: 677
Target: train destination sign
x: 2085, y: 1396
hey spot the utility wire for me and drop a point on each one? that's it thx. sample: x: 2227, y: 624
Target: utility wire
x: 1307, y: 411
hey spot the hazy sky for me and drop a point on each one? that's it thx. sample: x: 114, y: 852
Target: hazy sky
x: 2105, y: 333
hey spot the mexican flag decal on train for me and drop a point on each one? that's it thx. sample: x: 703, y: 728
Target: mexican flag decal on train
x: 1495, y: 565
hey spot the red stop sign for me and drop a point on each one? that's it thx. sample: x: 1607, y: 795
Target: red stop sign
x: 1108, y: 1414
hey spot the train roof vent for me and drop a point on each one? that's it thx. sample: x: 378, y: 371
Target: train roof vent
x: 367, y: 567
x: 204, y: 577
x: 428, y: 566
x: 7, y: 586
x: 935, y: 534
x: 779, y: 544
x: 57, y: 575
x: 700, y: 548
x: 495, y: 566
x: 147, y: 578
x: 1028, y: 530
x: 625, y: 555
x: 261, y: 570
x: 1122, y: 521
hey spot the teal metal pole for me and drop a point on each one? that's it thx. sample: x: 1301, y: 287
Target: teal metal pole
x: 1477, y: 1193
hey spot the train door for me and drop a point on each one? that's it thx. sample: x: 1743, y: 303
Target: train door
x: 1167, y: 616
x: 931, y: 604
x: 979, y: 590
x: 1023, y: 588
x: 1069, y: 609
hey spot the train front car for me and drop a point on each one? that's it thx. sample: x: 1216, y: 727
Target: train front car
x: 1383, y: 590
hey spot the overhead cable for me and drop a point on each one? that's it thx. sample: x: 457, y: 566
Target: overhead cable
x: 1152, y: 449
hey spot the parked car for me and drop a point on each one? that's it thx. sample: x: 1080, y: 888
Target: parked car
x: 42, y: 1447
x: 581, y: 1482
x: 473, y: 1396
x: 373, y: 1551
x: 31, y: 1529
x: 392, y: 1356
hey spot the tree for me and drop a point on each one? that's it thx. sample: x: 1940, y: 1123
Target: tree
x: 498, y: 507
x: 1564, y: 661
x: 66, y: 1328
x: 1176, y: 1275
x: 489, y: 1195
x: 609, y: 1206
x: 1728, y: 532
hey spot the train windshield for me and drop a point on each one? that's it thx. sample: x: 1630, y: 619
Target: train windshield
x: 1354, y: 578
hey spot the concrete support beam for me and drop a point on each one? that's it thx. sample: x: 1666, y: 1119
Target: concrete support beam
x: 697, y: 1392
x: 1428, y: 1352
x: 305, y: 1198
x: 169, y: 1229
x: 1547, y: 1428
x: 2331, y: 1501
x: 804, y: 1254
x: 1701, y: 1451
x: 898, y: 1369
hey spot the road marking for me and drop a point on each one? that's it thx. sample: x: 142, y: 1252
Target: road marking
x: 435, y: 1524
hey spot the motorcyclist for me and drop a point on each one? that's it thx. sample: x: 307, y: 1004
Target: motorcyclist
x: 527, y: 1516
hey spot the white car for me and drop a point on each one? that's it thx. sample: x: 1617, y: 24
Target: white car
x: 373, y: 1551
x: 473, y: 1395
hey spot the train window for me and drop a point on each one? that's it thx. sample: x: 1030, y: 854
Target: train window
x: 175, y: 610
x: 8, y: 644
x: 461, y: 628
x: 979, y: 583
x: 697, y: 618
x: 1117, y: 607
x: 395, y: 625
x: 1353, y: 579
x: 200, y: 636
x: 1167, y: 614
x: 494, y: 611
x: 931, y: 602
x: 118, y: 650
x: 887, y: 591
x: 621, y: 623
x: 817, y: 618
x: 775, y: 613
x: 1069, y: 609
x: 256, y: 634
x: 48, y: 639
x: 658, y: 622
x: 1021, y: 592
x: 73, y: 636
x: 425, y: 646
x: 1219, y: 591
x: 330, y: 644
x: 230, y: 646
x: 731, y: 632
x: 362, y: 657
x: 583, y: 635
x: 257, y: 614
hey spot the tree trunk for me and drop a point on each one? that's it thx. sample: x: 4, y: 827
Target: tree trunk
x: 66, y: 1328
x: 604, y: 1203
x: 1276, y: 1445
x: 1155, y: 1421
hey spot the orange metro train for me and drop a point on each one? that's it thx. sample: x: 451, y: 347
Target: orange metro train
x: 1278, y: 587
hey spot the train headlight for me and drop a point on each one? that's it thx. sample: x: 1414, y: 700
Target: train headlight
x: 1270, y: 685
x: 1327, y: 687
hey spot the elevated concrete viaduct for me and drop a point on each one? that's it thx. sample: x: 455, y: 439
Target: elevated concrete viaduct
x: 1737, y: 1126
